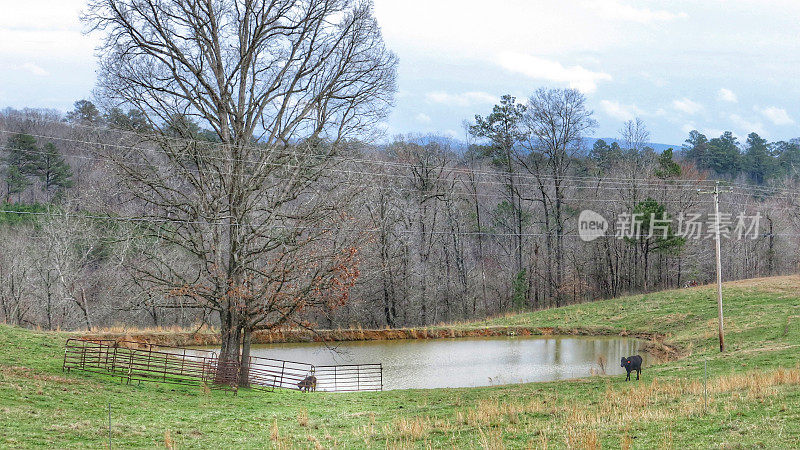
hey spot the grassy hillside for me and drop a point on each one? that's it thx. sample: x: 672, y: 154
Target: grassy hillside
x: 753, y: 391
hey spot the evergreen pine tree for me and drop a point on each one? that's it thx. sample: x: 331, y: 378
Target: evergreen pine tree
x: 723, y: 155
x: 16, y: 182
x: 20, y: 161
x: 52, y: 170
x: 667, y: 167
x: 758, y: 162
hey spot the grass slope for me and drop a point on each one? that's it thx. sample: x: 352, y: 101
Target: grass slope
x: 753, y: 392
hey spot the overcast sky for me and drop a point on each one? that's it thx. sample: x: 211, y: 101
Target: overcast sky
x: 711, y: 65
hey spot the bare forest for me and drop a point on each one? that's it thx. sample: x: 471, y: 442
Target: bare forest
x: 418, y: 231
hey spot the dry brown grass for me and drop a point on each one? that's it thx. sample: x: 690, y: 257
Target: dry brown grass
x: 788, y: 283
x: 125, y: 329
x: 206, y: 336
x: 315, y: 442
x: 27, y: 373
x: 168, y: 441
x: 302, y: 418
x: 666, y: 443
x: 491, y: 438
x: 660, y: 401
x: 491, y: 412
x: 581, y: 438
x: 275, y: 432
x: 618, y: 408
x: 414, y: 428
x: 625, y: 440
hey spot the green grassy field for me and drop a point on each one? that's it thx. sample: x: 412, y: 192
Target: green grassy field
x: 753, y: 392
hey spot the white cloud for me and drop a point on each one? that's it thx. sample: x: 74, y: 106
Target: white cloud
x: 747, y: 126
x: 463, y: 99
x: 621, y: 11
x: 727, y: 95
x: 776, y: 115
x: 576, y: 77
x: 688, y: 128
x: 710, y: 133
x: 423, y: 118
x: 42, y: 14
x: 657, y: 80
x: 452, y: 29
x: 660, y: 112
x: 33, y: 68
x: 687, y: 106
x: 620, y: 111
x: 452, y: 134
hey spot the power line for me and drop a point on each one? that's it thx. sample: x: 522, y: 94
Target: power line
x: 310, y: 228
x: 457, y: 192
x: 465, y: 171
x: 598, y: 187
x: 601, y: 182
x: 356, y: 160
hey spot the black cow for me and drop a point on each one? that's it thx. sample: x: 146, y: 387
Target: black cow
x: 630, y: 364
x: 309, y: 383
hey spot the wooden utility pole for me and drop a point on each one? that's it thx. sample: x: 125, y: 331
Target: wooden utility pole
x: 717, y: 233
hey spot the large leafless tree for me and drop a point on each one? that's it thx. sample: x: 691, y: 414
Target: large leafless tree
x: 283, y: 84
x: 557, y: 120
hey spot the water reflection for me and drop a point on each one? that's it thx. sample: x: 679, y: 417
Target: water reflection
x: 439, y: 363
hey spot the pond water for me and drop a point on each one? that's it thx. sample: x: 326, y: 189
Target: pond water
x: 467, y: 362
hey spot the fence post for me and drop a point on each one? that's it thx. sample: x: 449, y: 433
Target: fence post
x: 705, y: 385
x: 109, y: 425
x: 130, y: 366
x: 114, y: 361
x: 283, y: 367
x: 66, y: 349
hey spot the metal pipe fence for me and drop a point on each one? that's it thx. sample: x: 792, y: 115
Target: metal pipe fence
x: 134, y: 361
x: 350, y: 377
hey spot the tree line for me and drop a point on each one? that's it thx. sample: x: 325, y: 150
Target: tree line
x: 757, y: 161
x: 444, y: 231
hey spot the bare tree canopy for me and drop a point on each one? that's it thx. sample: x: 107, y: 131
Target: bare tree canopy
x: 284, y: 85
x: 279, y: 69
x: 556, y: 120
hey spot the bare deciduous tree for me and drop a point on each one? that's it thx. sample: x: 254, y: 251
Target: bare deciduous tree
x: 427, y: 185
x: 15, y: 272
x: 557, y: 120
x: 283, y: 84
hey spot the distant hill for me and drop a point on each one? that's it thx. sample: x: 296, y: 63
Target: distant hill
x: 459, y: 146
x: 655, y: 146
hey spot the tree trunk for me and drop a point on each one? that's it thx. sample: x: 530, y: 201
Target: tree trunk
x: 85, y: 308
x: 559, y: 241
x: 229, y: 362
x: 480, y: 249
x: 244, y: 368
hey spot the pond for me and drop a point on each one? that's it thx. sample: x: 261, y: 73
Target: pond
x: 468, y: 362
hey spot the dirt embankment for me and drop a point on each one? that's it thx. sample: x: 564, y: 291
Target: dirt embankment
x: 654, y: 343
